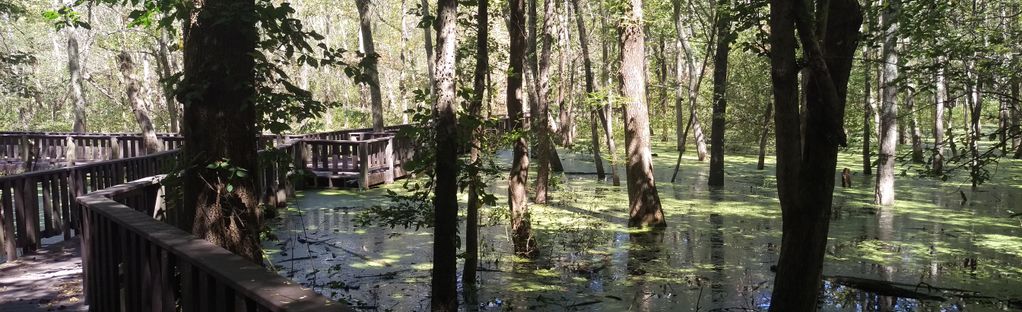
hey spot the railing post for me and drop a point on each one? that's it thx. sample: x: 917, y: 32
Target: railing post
x: 115, y: 148
x: 388, y: 156
x: 7, y: 221
x: 363, y: 165
x: 70, y: 151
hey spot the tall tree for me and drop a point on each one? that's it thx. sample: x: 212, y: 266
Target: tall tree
x: 692, y: 72
x: 884, y: 191
x: 74, y: 68
x: 165, y: 72
x: 131, y: 86
x: 764, y: 132
x: 643, y: 199
x: 369, y: 62
x: 521, y: 226
x: 913, y: 125
x: 475, y: 110
x: 445, y: 194
x: 720, y: 57
x: 805, y: 175
x: 218, y: 89
x: 540, y: 120
x: 867, y: 100
x: 427, y: 41
x: 940, y: 97
x: 587, y: 66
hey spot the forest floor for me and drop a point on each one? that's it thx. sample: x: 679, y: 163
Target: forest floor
x: 715, y: 254
x: 50, y: 280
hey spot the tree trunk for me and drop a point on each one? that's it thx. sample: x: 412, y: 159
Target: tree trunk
x: 127, y: 67
x: 764, y: 131
x: 643, y: 199
x: 916, y: 136
x: 475, y: 110
x: 369, y: 61
x: 77, y: 86
x: 695, y: 79
x: 218, y: 89
x: 566, y: 120
x: 406, y: 64
x: 867, y: 107
x: 975, y: 132
x: 163, y: 59
x: 606, y: 113
x: 521, y: 227
x: 445, y: 194
x: 541, y: 121
x: 587, y: 66
x: 940, y: 95
x: 720, y: 58
x: 427, y: 40
x: 805, y: 178
x: 884, y: 191
x: 1016, y: 116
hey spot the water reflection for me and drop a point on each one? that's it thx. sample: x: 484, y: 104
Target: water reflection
x: 714, y: 255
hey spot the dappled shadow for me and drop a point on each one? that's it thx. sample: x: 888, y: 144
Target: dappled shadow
x: 50, y: 280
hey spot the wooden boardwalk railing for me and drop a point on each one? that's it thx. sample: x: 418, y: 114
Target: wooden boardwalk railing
x: 133, y: 262
x: 51, y: 193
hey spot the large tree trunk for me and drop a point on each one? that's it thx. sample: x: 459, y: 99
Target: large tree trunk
x: 805, y: 178
x: 566, y: 118
x: 369, y: 61
x: 145, y: 124
x: 764, y: 132
x: 940, y: 97
x: 540, y: 121
x: 521, y: 227
x: 643, y: 199
x: 445, y: 195
x: 77, y: 86
x: 164, y: 61
x: 720, y: 57
x: 219, y: 89
x: 587, y: 66
x: 475, y: 110
x: 916, y: 136
x: 884, y: 191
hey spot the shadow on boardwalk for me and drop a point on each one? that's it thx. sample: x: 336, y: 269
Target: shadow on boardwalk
x: 50, y: 280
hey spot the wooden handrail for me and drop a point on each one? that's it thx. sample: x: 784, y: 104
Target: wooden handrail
x: 164, y: 267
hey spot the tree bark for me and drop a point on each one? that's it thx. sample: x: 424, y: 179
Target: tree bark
x: 607, y: 111
x: 77, y: 84
x: 369, y: 61
x: 720, y: 58
x: 145, y: 124
x: 587, y: 66
x: 884, y: 191
x: 1016, y: 117
x: 975, y: 131
x: 521, y: 226
x: 445, y: 194
x: 468, y: 275
x: 695, y: 79
x: 643, y: 199
x: 805, y: 178
x: 218, y: 89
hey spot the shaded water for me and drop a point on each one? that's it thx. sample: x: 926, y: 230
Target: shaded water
x: 715, y: 254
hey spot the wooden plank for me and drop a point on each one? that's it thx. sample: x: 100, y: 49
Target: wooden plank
x: 48, y: 207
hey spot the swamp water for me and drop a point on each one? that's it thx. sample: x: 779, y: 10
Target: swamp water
x: 715, y: 254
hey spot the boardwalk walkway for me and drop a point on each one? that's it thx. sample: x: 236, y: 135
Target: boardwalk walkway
x: 50, y: 280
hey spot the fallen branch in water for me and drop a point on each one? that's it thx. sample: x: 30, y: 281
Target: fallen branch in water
x: 883, y: 288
